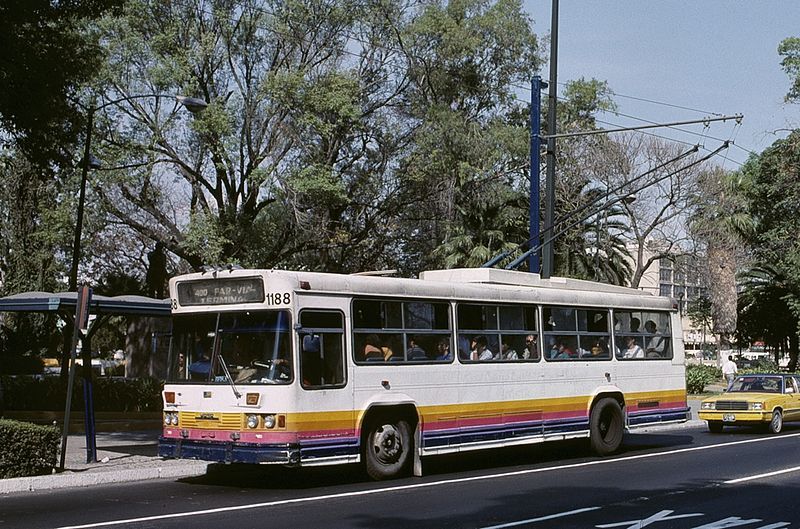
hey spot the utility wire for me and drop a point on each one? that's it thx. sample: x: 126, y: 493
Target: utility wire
x: 608, y: 193
x: 519, y: 260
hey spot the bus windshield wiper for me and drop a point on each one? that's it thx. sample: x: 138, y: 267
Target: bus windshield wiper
x: 217, y: 355
x: 228, y: 374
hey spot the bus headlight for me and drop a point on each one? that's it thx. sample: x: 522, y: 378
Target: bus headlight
x: 269, y: 421
x: 171, y: 419
x: 252, y: 421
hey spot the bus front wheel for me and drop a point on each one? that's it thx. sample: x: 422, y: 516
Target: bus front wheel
x: 388, y: 448
x: 606, y: 426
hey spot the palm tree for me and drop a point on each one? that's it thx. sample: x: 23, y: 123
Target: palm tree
x: 721, y: 221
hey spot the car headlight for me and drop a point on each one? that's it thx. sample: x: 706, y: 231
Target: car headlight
x: 756, y: 405
x: 707, y: 406
x: 252, y: 421
x: 269, y: 421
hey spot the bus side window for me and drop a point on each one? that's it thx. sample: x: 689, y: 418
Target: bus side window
x: 322, y: 362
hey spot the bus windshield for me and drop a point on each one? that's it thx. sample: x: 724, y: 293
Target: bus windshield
x: 238, y: 347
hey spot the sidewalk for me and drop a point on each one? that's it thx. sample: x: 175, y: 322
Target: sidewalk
x: 121, y: 456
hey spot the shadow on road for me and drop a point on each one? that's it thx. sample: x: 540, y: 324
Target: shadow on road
x: 502, y: 460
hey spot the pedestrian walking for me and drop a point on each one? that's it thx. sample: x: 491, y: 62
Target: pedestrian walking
x: 729, y: 371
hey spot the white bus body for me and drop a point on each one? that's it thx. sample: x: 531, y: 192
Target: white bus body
x: 312, y: 369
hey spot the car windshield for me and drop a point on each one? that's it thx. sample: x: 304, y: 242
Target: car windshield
x: 238, y: 347
x: 756, y: 384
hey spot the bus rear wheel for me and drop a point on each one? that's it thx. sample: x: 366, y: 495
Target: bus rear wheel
x: 606, y: 427
x: 388, y: 448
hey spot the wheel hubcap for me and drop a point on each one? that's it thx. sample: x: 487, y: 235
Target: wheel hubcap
x: 387, y: 444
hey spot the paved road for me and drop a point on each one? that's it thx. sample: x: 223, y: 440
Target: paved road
x: 683, y: 479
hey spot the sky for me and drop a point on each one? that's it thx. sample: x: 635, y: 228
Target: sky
x: 711, y: 56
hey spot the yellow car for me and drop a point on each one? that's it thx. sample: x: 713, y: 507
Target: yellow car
x: 767, y: 399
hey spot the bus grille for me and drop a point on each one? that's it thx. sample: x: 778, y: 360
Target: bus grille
x: 726, y: 405
x: 211, y: 421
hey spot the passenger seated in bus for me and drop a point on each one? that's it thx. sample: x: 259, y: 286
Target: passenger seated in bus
x: 598, y: 349
x: 561, y: 350
x: 372, y: 349
x: 507, y: 353
x: 531, y: 351
x: 655, y: 346
x: 480, y: 351
x: 414, y: 351
x: 632, y: 349
x: 443, y: 349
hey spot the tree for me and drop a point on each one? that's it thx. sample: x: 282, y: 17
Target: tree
x: 721, y: 224
x: 699, y: 312
x: 662, y: 184
x: 322, y: 120
x: 49, y: 52
x: 773, y: 185
x: 765, y: 313
x: 789, y: 49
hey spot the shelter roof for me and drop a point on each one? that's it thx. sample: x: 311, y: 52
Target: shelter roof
x: 64, y: 302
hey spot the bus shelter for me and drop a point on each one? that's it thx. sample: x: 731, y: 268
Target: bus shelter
x: 66, y: 305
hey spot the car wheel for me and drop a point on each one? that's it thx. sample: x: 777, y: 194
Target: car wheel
x: 714, y: 426
x: 776, y: 424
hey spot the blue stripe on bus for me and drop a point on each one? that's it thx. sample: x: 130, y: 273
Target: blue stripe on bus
x: 503, y: 432
x: 656, y: 416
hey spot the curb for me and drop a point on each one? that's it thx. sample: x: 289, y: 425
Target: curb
x: 71, y: 479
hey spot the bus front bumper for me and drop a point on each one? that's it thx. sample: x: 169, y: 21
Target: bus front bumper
x: 229, y: 452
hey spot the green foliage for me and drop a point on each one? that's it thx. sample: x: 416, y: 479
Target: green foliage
x: 789, y: 49
x: 699, y: 312
x: 771, y: 297
x: 762, y: 365
x: 27, y: 449
x: 54, y: 53
x: 698, y: 376
x: 110, y: 394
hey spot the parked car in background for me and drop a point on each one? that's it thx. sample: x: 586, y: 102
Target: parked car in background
x: 760, y: 399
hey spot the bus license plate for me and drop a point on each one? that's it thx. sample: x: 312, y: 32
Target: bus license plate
x: 728, y: 417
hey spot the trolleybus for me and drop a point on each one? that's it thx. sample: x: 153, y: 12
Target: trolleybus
x: 302, y: 368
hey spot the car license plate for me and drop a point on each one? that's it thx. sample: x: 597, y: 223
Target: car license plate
x: 728, y: 417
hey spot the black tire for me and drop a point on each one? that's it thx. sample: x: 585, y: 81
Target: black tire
x: 388, y: 447
x: 606, y: 426
x: 714, y: 426
x: 776, y: 424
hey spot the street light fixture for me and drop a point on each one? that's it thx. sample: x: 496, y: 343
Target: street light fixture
x: 192, y: 104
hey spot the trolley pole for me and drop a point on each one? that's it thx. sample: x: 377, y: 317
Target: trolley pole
x: 550, y: 180
x: 535, y: 157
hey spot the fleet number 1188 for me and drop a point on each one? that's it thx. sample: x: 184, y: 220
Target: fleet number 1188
x: 278, y: 298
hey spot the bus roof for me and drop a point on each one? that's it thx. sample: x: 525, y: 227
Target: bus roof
x: 465, y: 284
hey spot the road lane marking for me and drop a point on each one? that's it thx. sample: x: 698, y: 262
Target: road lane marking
x: 426, y: 485
x: 542, y: 518
x: 759, y: 476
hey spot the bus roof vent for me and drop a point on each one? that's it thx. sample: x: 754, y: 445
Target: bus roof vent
x: 514, y: 278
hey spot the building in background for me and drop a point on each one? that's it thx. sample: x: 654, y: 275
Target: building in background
x: 682, y: 277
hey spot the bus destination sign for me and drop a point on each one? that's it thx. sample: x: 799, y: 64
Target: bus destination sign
x: 228, y: 291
